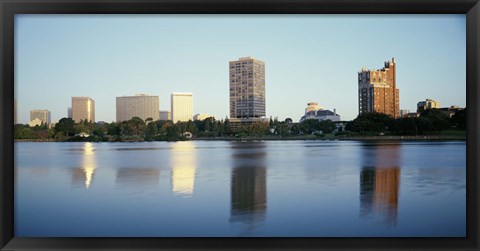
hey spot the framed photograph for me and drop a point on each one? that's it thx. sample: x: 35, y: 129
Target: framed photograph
x: 230, y: 125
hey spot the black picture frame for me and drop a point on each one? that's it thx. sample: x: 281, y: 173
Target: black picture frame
x: 471, y: 8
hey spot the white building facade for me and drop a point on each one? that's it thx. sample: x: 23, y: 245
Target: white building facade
x: 182, y: 106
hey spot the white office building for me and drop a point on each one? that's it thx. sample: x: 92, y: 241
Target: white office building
x: 182, y: 106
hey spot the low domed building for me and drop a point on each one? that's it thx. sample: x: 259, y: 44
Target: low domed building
x: 313, y: 111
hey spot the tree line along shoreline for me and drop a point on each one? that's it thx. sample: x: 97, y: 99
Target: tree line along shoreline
x: 431, y: 124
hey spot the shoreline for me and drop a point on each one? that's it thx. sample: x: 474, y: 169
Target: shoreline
x: 293, y: 138
x: 361, y: 138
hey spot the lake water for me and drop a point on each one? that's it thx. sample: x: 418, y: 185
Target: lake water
x: 222, y: 188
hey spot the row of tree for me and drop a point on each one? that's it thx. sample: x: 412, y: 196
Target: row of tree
x: 137, y: 129
x: 430, y: 120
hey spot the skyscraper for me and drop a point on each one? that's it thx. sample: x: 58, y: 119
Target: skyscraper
x: 42, y: 116
x: 83, y: 108
x: 182, y: 106
x: 140, y: 105
x: 377, y: 90
x: 247, y: 88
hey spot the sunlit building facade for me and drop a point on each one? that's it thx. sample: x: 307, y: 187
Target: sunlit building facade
x: 141, y: 105
x: 182, y: 106
x: 83, y: 108
x: 312, y: 106
x: 427, y: 104
x: 39, y: 117
x: 377, y: 90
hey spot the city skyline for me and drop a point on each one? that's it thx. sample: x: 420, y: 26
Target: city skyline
x: 317, y: 62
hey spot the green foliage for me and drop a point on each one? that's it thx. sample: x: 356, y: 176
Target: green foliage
x: 136, y: 129
x: 314, y: 126
x: 326, y: 126
x: 405, y: 125
x: 282, y: 129
x: 424, y: 125
x: 309, y: 126
x: 151, y: 131
x: 438, y: 118
x: 100, y: 130
x: 459, y: 119
x: 65, y: 128
x: 296, y: 129
x: 430, y: 120
x: 370, y: 122
x: 23, y: 132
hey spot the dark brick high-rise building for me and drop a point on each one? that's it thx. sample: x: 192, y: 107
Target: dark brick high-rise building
x: 377, y: 90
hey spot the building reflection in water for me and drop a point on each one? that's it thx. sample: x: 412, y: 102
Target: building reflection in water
x: 183, y: 161
x: 248, y: 183
x: 380, y: 181
x: 84, y: 174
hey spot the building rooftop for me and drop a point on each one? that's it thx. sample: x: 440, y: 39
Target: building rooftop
x: 138, y: 95
x: 246, y: 58
x: 81, y: 97
x: 325, y: 113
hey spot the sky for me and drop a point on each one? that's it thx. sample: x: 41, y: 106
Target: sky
x: 307, y: 58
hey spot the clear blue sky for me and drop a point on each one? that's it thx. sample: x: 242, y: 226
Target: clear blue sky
x: 307, y: 58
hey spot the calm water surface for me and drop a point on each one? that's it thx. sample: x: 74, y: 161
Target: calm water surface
x: 219, y: 188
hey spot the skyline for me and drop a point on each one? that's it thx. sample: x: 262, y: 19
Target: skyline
x: 107, y: 57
